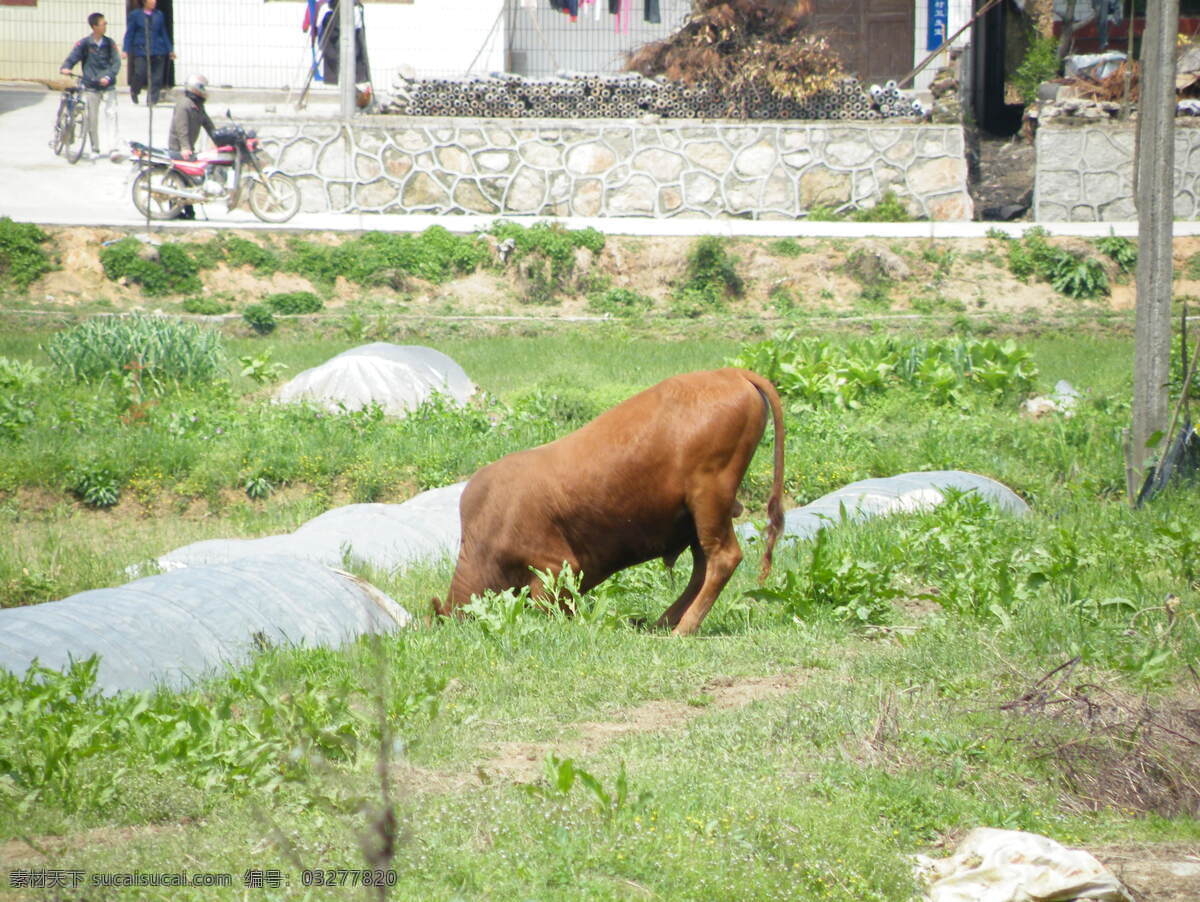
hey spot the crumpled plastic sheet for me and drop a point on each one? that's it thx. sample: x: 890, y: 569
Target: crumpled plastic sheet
x: 992, y: 865
x: 174, y: 628
x: 879, y: 497
x: 398, y: 378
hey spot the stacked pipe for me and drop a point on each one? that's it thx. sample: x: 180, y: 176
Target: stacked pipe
x: 890, y: 101
x: 630, y: 95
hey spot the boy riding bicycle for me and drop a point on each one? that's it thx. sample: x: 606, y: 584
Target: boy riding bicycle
x: 101, y: 62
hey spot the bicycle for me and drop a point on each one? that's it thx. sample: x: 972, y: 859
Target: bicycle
x: 70, y: 123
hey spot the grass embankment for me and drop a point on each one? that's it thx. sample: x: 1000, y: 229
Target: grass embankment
x: 811, y: 739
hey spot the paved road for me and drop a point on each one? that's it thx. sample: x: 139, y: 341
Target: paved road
x: 37, y: 186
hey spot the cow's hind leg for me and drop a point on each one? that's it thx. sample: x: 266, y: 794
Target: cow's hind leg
x: 671, y: 615
x: 722, y: 554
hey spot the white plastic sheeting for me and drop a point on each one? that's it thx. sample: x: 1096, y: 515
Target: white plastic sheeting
x: 426, y: 527
x: 1012, y: 866
x: 385, y: 536
x: 398, y: 378
x: 890, y: 495
x: 174, y: 628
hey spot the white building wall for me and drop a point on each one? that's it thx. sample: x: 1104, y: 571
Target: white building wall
x: 257, y: 44
x: 268, y: 48
x: 34, y: 40
x: 959, y: 12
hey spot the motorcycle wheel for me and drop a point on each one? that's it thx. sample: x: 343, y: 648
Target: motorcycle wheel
x: 153, y: 205
x: 76, y: 133
x: 279, y: 202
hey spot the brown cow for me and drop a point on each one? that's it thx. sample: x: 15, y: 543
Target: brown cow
x: 652, y: 476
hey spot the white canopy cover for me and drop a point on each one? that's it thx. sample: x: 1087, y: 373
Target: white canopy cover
x: 398, y: 378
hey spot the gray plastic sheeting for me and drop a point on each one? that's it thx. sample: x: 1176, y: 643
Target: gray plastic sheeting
x: 890, y: 495
x: 174, y: 628
x: 386, y: 536
x: 426, y: 527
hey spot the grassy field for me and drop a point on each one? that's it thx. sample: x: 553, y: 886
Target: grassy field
x: 893, y: 685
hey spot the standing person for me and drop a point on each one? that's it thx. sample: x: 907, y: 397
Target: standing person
x: 101, y: 63
x: 146, y: 26
x: 189, y: 117
x: 330, y: 37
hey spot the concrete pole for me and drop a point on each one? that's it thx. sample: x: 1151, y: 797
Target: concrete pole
x: 1155, y: 193
x: 347, y: 62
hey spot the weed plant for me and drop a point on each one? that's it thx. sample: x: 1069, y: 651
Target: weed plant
x: 545, y: 254
x: 23, y: 260
x: 163, y: 351
x: 169, y: 269
x: 1071, y: 274
x: 711, y: 279
x: 205, y: 306
x: 294, y: 302
x: 260, y: 318
x: 619, y: 302
x: 815, y: 372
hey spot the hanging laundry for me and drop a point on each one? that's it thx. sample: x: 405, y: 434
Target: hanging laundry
x: 623, y: 16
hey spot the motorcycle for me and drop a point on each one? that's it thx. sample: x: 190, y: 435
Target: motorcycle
x: 166, y: 184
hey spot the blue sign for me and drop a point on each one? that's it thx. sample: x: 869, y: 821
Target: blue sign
x: 939, y: 23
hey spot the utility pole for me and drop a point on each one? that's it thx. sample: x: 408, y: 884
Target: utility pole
x: 1155, y: 196
x: 347, y: 61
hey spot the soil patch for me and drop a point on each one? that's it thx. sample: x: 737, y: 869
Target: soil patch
x: 1155, y: 872
x: 521, y: 762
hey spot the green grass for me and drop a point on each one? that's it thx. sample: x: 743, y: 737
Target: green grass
x: 815, y: 735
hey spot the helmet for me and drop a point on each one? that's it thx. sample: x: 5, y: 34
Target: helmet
x: 198, y: 85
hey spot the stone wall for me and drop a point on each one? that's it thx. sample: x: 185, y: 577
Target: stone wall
x: 1085, y: 172
x: 393, y: 164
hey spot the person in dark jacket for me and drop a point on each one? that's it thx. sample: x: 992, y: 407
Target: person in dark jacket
x: 146, y: 36
x: 101, y: 63
x: 189, y: 117
x: 330, y: 37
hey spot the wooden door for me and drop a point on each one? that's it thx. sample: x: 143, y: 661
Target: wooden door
x: 874, y: 37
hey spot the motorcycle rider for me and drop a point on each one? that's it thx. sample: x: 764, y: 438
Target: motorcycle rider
x: 189, y: 117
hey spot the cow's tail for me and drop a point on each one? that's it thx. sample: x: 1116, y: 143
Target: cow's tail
x: 775, y: 502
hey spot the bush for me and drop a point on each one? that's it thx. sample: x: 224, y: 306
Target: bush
x: 435, y: 255
x: 1040, y: 64
x: 712, y: 278
x: 619, y: 302
x: 205, y: 306
x: 164, y: 350
x: 294, y: 302
x: 22, y: 258
x: 174, y: 272
x: 545, y: 254
x: 241, y: 252
x: 260, y: 318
